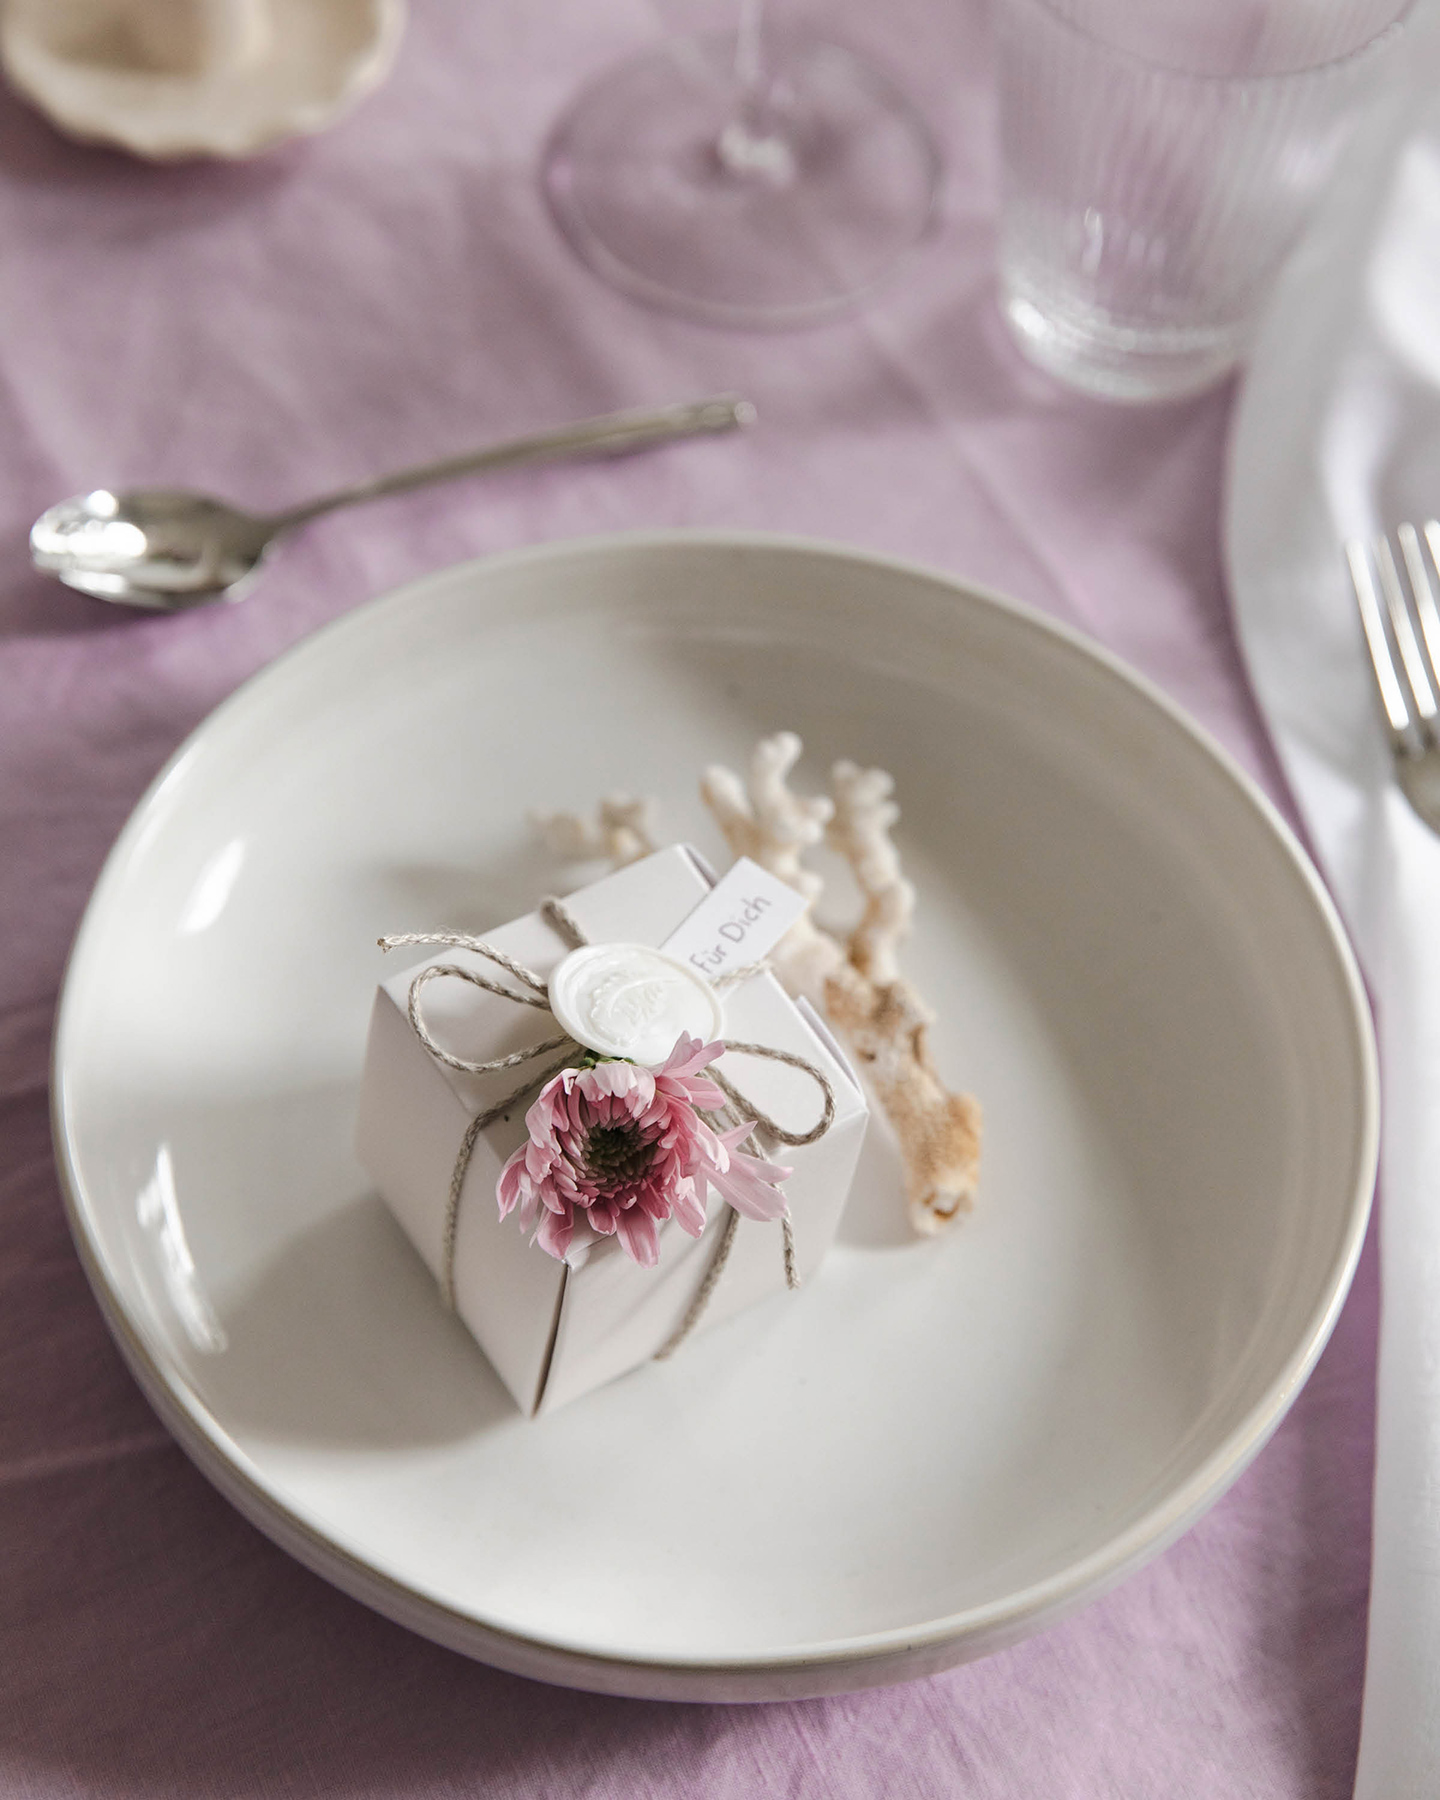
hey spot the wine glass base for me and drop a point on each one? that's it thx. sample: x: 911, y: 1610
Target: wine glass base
x: 673, y: 193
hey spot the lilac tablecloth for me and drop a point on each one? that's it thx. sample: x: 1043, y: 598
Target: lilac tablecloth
x: 390, y: 292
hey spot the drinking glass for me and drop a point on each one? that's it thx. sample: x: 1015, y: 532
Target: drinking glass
x: 753, y: 177
x: 1157, y: 163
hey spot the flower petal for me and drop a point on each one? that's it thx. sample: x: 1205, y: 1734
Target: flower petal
x: 689, y: 1208
x: 747, y: 1182
x: 768, y: 1170
x: 639, y: 1236
x: 513, y: 1181
x: 555, y: 1232
x: 546, y: 1108
x: 689, y: 1055
x: 700, y: 1092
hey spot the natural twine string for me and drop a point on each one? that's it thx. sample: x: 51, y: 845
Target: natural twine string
x: 696, y: 1308
x: 565, y: 926
x: 707, y: 1287
x: 563, y: 922
x: 451, y: 1227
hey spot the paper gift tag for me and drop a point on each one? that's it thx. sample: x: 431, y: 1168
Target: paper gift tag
x: 740, y: 921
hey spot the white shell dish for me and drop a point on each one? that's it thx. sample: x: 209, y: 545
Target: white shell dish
x: 167, y: 79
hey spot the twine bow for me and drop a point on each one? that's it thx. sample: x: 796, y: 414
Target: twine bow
x: 530, y: 989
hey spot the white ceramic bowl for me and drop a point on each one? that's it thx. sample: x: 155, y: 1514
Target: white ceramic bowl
x: 938, y: 1446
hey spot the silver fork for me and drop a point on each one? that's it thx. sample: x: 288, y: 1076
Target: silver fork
x: 1402, y: 630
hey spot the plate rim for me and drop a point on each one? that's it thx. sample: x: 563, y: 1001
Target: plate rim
x: 872, y: 1658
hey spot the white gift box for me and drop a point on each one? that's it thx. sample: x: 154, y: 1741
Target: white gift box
x: 555, y: 1330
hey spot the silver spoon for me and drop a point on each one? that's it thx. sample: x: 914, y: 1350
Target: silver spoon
x: 166, y: 549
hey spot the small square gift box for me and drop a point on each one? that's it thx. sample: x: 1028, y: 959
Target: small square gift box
x: 549, y: 1116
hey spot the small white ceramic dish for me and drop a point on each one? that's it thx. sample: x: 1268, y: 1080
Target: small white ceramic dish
x: 167, y: 79
x: 935, y: 1448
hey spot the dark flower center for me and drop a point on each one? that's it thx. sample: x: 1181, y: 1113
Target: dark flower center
x: 617, y: 1154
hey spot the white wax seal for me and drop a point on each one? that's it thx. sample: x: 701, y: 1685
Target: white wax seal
x: 629, y: 1000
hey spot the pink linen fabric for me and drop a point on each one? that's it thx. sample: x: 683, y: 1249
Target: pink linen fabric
x: 392, y: 291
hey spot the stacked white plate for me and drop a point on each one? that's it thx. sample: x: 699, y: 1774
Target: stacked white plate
x: 938, y: 1446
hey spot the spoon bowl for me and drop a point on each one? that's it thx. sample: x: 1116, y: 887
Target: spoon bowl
x: 162, y: 548
x: 165, y: 549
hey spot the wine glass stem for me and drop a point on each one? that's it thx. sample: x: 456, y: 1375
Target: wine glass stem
x: 753, y: 145
x: 750, y: 45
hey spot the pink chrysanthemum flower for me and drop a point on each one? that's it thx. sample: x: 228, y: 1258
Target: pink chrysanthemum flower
x: 625, y: 1148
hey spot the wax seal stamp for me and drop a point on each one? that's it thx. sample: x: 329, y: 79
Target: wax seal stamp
x: 631, y: 1001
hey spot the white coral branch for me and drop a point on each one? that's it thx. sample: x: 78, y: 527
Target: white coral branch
x: 622, y: 831
x: 860, y: 832
x: 766, y: 821
x: 883, y: 1018
x: 763, y: 819
x: 857, y: 980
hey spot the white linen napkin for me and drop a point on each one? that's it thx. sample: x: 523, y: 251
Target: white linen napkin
x: 1337, y: 433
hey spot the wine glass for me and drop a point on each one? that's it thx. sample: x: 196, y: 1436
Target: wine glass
x: 753, y: 177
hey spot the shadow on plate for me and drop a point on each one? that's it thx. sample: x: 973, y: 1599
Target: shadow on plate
x: 478, y: 898
x: 341, y: 1342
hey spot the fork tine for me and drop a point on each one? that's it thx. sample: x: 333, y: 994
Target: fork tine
x: 1424, y: 591
x: 1382, y: 662
x: 1412, y: 659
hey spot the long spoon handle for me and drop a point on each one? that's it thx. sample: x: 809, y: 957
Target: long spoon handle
x: 611, y: 435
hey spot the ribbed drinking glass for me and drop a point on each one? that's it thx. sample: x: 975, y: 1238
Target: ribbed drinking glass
x: 1158, y: 162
